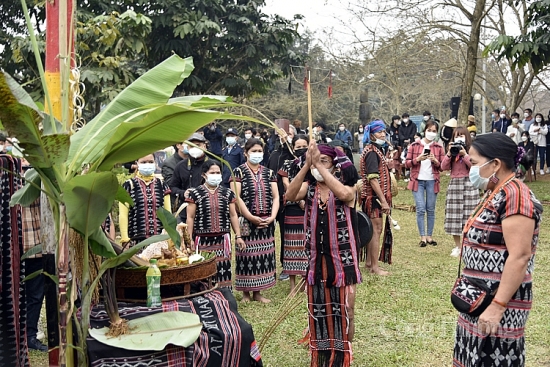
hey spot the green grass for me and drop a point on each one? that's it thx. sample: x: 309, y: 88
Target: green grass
x: 405, y: 319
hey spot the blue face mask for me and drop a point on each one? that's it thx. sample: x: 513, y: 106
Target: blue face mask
x: 256, y: 157
x: 9, y: 148
x: 146, y: 169
x: 475, y: 178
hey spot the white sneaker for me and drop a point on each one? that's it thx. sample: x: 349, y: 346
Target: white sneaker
x: 542, y: 172
x: 548, y: 170
x: 40, y: 335
x: 455, y: 252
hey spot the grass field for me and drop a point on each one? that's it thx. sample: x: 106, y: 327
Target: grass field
x: 405, y: 319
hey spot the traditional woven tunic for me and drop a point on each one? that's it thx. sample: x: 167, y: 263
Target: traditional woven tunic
x: 13, y: 311
x: 373, y: 163
x: 333, y: 268
x: 212, y: 226
x: 255, y: 270
x: 295, y: 259
x: 148, y: 197
x: 484, y: 255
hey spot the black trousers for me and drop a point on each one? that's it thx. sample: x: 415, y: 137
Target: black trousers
x: 281, y: 221
x: 34, y: 294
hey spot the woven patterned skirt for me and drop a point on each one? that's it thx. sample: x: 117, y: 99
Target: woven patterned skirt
x: 462, y: 198
x: 329, y: 323
x: 220, y: 244
x: 295, y: 258
x: 504, y: 349
x: 255, y: 268
x: 13, y: 309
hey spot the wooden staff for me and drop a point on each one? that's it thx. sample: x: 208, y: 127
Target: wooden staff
x: 310, y: 118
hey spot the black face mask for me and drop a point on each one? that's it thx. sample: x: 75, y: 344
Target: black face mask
x: 300, y: 152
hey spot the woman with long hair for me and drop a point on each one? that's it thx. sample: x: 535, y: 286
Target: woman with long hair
x: 424, y: 160
x: 258, y: 204
x: 538, y: 131
x: 462, y: 197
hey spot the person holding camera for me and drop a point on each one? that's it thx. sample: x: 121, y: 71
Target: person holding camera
x: 424, y: 160
x: 462, y: 196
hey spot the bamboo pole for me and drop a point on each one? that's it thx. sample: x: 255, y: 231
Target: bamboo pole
x: 309, y: 113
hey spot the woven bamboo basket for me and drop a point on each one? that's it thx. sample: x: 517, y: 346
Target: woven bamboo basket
x: 175, y: 283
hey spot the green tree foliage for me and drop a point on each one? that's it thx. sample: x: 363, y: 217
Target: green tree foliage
x: 237, y: 49
x: 533, y: 45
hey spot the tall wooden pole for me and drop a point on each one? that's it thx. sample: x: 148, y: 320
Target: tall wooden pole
x: 59, y: 53
x: 309, y: 113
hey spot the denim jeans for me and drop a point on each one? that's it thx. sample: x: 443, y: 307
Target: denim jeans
x: 542, y: 157
x: 425, y: 199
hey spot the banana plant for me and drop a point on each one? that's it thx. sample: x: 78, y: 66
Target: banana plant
x: 75, y: 167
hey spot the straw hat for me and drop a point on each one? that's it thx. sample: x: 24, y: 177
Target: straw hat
x: 471, y: 118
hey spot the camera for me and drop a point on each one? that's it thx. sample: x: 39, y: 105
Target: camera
x: 456, y: 147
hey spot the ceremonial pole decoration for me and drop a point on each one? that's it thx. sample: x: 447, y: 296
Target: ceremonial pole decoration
x: 309, y: 113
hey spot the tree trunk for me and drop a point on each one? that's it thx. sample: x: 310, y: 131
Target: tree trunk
x: 472, y: 52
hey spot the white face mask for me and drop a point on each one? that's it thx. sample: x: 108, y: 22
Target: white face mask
x: 398, y: 122
x: 255, y: 157
x: 231, y: 140
x: 289, y: 139
x: 515, y: 121
x: 214, y: 179
x: 430, y: 135
x: 360, y: 129
x: 538, y: 119
x: 524, y: 138
x: 460, y: 139
x: 1, y: 148
x: 317, y: 175
x: 475, y: 178
x: 342, y: 128
x: 146, y: 169
x: 525, y: 114
x: 247, y: 136
x: 502, y: 115
x: 417, y: 140
x: 426, y: 118
x: 405, y: 120
x: 380, y: 142
x: 196, y: 152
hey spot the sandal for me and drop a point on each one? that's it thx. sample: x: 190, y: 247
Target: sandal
x: 422, y: 244
x: 432, y: 242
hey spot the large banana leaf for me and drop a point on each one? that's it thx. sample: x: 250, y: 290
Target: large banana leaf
x: 159, y: 128
x: 89, y: 199
x: 155, y: 86
x: 100, y: 244
x: 21, y: 117
x: 155, y: 332
x: 26, y: 195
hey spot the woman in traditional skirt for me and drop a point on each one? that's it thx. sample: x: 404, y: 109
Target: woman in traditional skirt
x: 210, y: 215
x: 499, y: 246
x: 295, y: 258
x: 258, y: 204
x: 333, y: 270
x: 148, y: 193
x: 462, y: 196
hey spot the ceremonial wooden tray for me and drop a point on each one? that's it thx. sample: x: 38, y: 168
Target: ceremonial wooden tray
x: 175, y: 282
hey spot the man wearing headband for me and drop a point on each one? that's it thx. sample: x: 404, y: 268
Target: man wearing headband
x: 376, y: 192
x: 333, y: 271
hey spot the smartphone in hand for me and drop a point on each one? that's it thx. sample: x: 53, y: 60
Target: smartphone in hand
x: 427, y: 151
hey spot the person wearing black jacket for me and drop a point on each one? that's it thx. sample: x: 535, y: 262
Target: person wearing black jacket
x: 407, y: 129
x: 276, y: 161
x: 233, y: 154
x: 214, y: 135
x: 393, y: 130
x: 188, y: 172
x: 170, y: 163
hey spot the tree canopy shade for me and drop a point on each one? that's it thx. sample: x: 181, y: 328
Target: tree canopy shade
x: 237, y: 49
x: 533, y: 45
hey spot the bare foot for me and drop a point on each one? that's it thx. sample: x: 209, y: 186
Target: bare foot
x: 259, y: 298
x: 379, y: 271
x: 246, y: 297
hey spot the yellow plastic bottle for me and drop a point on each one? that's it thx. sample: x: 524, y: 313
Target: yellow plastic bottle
x: 153, y: 284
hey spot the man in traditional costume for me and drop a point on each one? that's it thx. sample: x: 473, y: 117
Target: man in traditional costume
x: 376, y: 192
